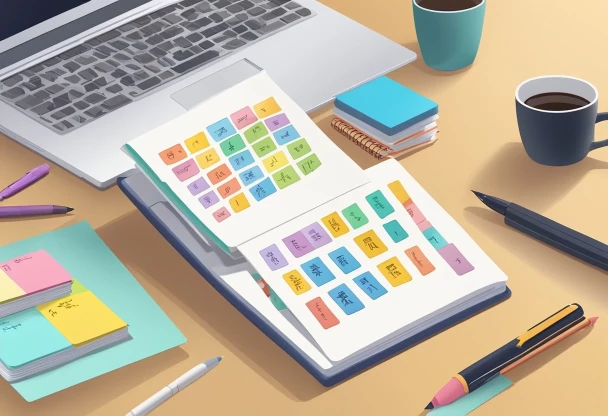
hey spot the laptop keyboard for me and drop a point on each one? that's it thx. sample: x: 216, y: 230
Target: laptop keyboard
x: 122, y: 65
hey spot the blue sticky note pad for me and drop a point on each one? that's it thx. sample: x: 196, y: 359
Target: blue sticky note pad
x: 318, y: 271
x: 370, y: 285
x: 83, y: 254
x: 252, y: 175
x: 380, y: 204
x: 344, y: 260
x: 221, y: 130
x: 346, y: 299
x: 286, y: 135
x: 386, y: 105
x: 263, y: 189
x: 241, y: 160
x: 472, y: 401
x: 436, y: 239
x: 395, y: 231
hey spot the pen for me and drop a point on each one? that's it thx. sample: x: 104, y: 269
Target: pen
x: 476, y: 375
x: 31, y: 210
x: 169, y: 391
x: 548, y: 231
x: 28, y: 179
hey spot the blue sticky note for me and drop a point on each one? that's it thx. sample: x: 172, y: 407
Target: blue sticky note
x: 386, y: 105
x: 370, y: 285
x: 221, y: 130
x: 252, y: 175
x: 318, y: 271
x: 84, y: 255
x: 395, y: 231
x: 346, y: 299
x: 344, y: 260
x: 241, y: 160
x: 472, y: 401
x: 263, y: 189
x: 286, y: 135
x: 436, y: 239
x: 380, y: 204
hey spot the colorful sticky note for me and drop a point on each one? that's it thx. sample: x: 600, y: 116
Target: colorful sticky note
x: 264, y: 147
x: 219, y: 174
x: 277, y: 122
x: 173, y: 154
x: 239, y: 202
x: 424, y: 225
x: 316, y: 235
x: 9, y: 290
x: 35, y: 272
x: 344, y: 260
x: 276, y: 161
x: 229, y: 188
x: 221, y: 130
x: 209, y: 158
x: 298, y: 148
x: 298, y: 245
x: 266, y: 108
x: 286, y: 135
x: 241, y: 160
x: 296, y: 282
x: 255, y: 132
x: 286, y: 177
x: 310, y: 164
x: 81, y: 318
x: 221, y: 214
x: 380, y: 204
x: 243, y: 118
x: 323, y: 314
x: 346, y: 299
x: 355, y: 217
x: 186, y: 170
x: 455, y: 259
x: 394, y: 272
x: 273, y: 257
x: 414, y: 212
x: 436, y: 239
x: 252, y: 175
x: 317, y: 271
x: 197, y: 142
x: 333, y: 222
x: 370, y: 285
x: 198, y: 186
x: 395, y: 231
x: 417, y: 257
x: 209, y: 199
x: 370, y: 244
x: 232, y: 145
x: 263, y: 189
x: 399, y: 191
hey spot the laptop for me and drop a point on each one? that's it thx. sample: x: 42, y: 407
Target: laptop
x: 79, y: 78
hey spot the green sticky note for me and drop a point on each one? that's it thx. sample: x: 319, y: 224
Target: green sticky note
x: 436, y: 239
x: 298, y: 148
x: 263, y: 147
x: 355, y: 217
x: 256, y: 132
x: 380, y: 204
x: 395, y: 231
x: 310, y: 164
x: 472, y: 401
x: 232, y: 145
x: 77, y: 287
x: 286, y: 177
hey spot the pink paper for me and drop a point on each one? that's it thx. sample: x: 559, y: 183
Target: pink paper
x: 35, y: 272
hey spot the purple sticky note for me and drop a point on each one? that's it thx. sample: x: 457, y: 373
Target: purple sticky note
x: 273, y: 257
x: 316, y: 235
x: 276, y: 122
x: 210, y: 198
x: 455, y: 259
x: 298, y: 244
x: 198, y: 186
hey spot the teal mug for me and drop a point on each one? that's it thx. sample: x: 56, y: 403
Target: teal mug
x: 449, y: 32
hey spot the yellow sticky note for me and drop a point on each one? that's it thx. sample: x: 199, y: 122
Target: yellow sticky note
x: 81, y: 318
x: 209, y: 158
x: 399, y: 191
x: 197, y: 142
x: 276, y: 161
x: 266, y: 108
x: 9, y: 290
x: 239, y: 202
x: 296, y: 282
x: 335, y: 225
x: 394, y: 272
x: 370, y: 244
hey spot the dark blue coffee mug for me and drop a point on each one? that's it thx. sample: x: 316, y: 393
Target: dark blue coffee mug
x: 558, y: 138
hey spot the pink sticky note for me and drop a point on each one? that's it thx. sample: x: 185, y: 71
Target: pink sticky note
x: 35, y: 272
x: 415, y: 213
x: 243, y: 118
x: 221, y: 214
x: 186, y: 170
x: 424, y: 225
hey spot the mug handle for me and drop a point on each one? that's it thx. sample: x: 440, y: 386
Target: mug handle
x: 601, y: 143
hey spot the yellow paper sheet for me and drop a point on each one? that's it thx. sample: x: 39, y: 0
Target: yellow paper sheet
x: 9, y: 290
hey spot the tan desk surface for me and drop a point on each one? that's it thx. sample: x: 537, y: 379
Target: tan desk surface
x: 478, y: 149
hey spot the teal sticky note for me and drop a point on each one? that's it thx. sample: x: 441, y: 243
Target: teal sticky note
x: 84, y: 255
x: 436, y: 239
x: 395, y: 231
x: 472, y: 401
x: 380, y: 204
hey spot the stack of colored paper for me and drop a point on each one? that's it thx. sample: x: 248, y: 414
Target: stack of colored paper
x: 386, y: 118
x: 30, y: 280
x: 56, y: 333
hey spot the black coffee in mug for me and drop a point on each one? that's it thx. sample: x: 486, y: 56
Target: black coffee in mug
x: 557, y: 101
x: 448, y: 5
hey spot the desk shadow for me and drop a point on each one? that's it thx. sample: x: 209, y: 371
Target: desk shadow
x: 210, y: 310
x: 93, y: 394
x: 71, y: 217
x: 510, y: 174
x: 421, y: 66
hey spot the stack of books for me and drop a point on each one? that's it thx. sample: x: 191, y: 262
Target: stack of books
x: 385, y: 118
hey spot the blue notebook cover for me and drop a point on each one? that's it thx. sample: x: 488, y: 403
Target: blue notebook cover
x: 277, y: 337
x: 386, y: 105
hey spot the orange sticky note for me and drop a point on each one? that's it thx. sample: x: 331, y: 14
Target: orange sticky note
x: 417, y: 257
x: 219, y: 174
x: 173, y: 154
x: 323, y: 314
x: 228, y: 188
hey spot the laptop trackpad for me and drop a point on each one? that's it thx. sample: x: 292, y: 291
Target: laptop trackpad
x: 190, y: 96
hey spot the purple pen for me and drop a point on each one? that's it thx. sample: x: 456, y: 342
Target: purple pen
x: 32, y: 210
x: 29, y: 178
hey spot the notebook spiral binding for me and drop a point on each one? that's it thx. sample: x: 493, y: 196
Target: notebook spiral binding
x: 360, y: 139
